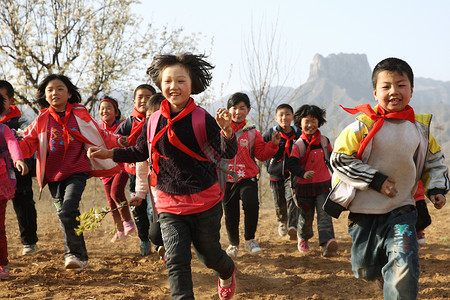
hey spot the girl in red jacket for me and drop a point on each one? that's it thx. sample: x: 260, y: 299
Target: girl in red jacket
x: 250, y: 145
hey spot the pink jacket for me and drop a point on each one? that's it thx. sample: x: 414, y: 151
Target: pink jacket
x: 250, y: 146
x: 35, y: 139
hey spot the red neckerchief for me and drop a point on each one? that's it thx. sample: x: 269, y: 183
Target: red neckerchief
x: 137, y: 126
x: 287, y: 146
x: 111, y: 129
x: 236, y: 128
x: 406, y: 114
x: 14, y: 112
x: 75, y: 134
x: 173, y: 139
x: 314, y: 140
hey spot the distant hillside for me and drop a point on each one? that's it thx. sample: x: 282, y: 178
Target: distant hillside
x: 345, y: 79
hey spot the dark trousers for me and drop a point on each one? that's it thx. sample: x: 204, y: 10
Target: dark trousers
x: 285, y: 208
x: 25, y: 209
x: 247, y: 191
x: 141, y: 217
x: 202, y: 230
x: 68, y: 194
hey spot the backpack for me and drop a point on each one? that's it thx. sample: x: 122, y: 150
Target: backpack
x: 4, y: 154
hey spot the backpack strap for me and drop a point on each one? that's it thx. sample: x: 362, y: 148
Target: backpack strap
x: 323, y: 143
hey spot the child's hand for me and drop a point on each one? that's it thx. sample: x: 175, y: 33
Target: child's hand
x: 438, y: 200
x: 309, y: 175
x: 276, y: 137
x: 22, y: 167
x: 135, y: 201
x: 223, y: 119
x: 124, y: 141
x: 388, y: 188
x: 97, y: 152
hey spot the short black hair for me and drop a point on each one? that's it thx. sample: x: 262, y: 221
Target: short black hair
x: 236, y: 98
x: 2, y: 104
x: 73, y: 90
x: 144, y: 86
x: 392, y: 64
x: 198, y: 68
x: 284, y: 106
x: 309, y: 110
x: 8, y: 87
x: 154, y: 101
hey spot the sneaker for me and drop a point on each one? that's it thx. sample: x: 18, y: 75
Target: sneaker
x: 73, y: 263
x: 282, y: 231
x: 129, y: 227
x: 29, y: 249
x: 118, y: 236
x: 4, y: 272
x: 303, y: 245
x: 253, y: 247
x: 292, y: 232
x: 330, y: 248
x: 232, y: 251
x: 228, y: 292
x: 421, y: 237
x: 144, y: 248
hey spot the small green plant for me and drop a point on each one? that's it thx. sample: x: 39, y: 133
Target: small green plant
x: 92, y: 219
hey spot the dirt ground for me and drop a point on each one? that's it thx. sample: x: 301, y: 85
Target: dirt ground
x: 118, y: 271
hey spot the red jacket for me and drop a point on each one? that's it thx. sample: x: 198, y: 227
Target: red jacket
x: 250, y: 146
x: 35, y: 139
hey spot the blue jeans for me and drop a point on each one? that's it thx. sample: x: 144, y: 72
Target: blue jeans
x: 203, y: 231
x: 306, y: 217
x: 67, y: 193
x: 285, y: 208
x: 386, y: 246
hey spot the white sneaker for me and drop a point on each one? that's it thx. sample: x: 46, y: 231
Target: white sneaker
x: 282, y: 231
x: 29, y: 249
x: 232, y: 251
x: 73, y: 263
x: 252, y: 246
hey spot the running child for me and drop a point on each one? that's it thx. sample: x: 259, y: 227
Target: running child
x: 186, y: 179
x: 379, y: 159
x: 309, y: 163
x: 132, y: 127
x: 115, y: 185
x: 250, y: 146
x: 280, y: 179
x: 60, y: 134
x: 8, y: 147
x: 23, y: 202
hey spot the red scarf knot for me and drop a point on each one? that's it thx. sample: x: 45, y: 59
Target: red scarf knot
x: 406, y: 114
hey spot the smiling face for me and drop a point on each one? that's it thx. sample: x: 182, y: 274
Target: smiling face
x: 239, y: 112
x: 57, y: 95
x: 140, y: 99
x: 176, y: 86
x: 393, y: 91
x: 309, y: 125
x: 284, y: 118
x: 107, y: 112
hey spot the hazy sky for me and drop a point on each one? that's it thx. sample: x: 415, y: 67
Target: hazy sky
x: 416, y: 31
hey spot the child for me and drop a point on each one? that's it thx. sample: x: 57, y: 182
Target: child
x: 186, y: 181
x: 115, y: 185
x: 250, y: 145
x: 132, y: 127
x: 8, y: 146
x: 142, y: 167
x: 280, y: 178
x: 309, y: 163
x: 423, y: 216
x: 23, y: 202
x: 379, y: 159
x: 60, y: 134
